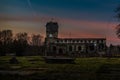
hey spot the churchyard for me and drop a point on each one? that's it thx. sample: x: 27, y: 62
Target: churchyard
x: 35, y: 68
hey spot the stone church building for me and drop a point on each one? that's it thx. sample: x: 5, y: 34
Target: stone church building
x: 71, y: 46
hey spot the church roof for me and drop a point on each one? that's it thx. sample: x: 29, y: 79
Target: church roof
x: 81, y: 38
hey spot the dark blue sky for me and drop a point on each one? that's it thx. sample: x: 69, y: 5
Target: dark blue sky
x: 77, y: 9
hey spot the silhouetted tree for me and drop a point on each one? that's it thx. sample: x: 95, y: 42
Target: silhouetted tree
x: 118, y: 30
x: 1, y: 44
x: 6, y: 38
x: 118, y: 16
x: 118, y: 12
x: 20, y: 43
x: 36, y: 40
x: 35, y: 47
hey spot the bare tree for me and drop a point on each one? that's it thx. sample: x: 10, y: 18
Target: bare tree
x: 118, y: 12
x: 1, y: 46
x: 22, y: 36
x: 6, y: 38
x: 118, y: 16
x: 118, y: 30
x: 36, y: 40
x: 20, y: 43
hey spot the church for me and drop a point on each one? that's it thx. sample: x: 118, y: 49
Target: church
x: 71, y: 46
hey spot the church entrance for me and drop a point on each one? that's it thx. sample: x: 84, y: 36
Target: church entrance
x: 54, y: 49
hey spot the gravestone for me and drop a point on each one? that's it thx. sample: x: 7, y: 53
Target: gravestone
x: 13, y: 60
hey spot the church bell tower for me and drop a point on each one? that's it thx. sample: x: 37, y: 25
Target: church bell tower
x: 51, y: 31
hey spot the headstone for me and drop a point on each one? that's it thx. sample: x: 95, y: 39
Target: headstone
x: 13, y: 60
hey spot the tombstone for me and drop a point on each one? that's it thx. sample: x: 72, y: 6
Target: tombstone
x: 13, y: 60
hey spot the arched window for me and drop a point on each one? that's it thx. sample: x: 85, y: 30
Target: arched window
x: 79, y: 48
x: 70, y: 48
x: 91, y: 47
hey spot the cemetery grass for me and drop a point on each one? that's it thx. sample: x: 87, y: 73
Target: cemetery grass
x: 35, y: 68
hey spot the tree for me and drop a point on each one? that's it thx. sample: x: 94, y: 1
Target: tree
x: 1, y: 46
x: 35, y: 47
x: 118, y: 30
x: 6, y: 38
x: 118, y: 12
x: 36, y: 40
x: 118, y: 16
x: 20, y: 43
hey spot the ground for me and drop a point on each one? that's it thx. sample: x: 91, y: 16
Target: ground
x: 35, y: 68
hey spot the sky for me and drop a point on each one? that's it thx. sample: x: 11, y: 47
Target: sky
x: 80, y: 18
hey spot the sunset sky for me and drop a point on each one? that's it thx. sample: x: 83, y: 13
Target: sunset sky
x: 81, y: 18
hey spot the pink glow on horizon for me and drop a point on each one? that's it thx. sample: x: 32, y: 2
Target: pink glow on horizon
x: 77, y: 28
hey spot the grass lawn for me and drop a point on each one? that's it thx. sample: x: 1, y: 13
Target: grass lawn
x: 35, y: 68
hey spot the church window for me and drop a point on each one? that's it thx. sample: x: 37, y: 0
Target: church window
x: 91, y: 47
x: 79, y: 48
x: 70, y: 48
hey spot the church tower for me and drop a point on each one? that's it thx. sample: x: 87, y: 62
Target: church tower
x: 51, y: 31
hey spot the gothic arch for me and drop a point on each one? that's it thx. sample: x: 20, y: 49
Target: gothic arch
x: 70, y: 48
x: 79, y: 48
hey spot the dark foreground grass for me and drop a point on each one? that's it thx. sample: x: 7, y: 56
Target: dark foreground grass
x: 35, y: 68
